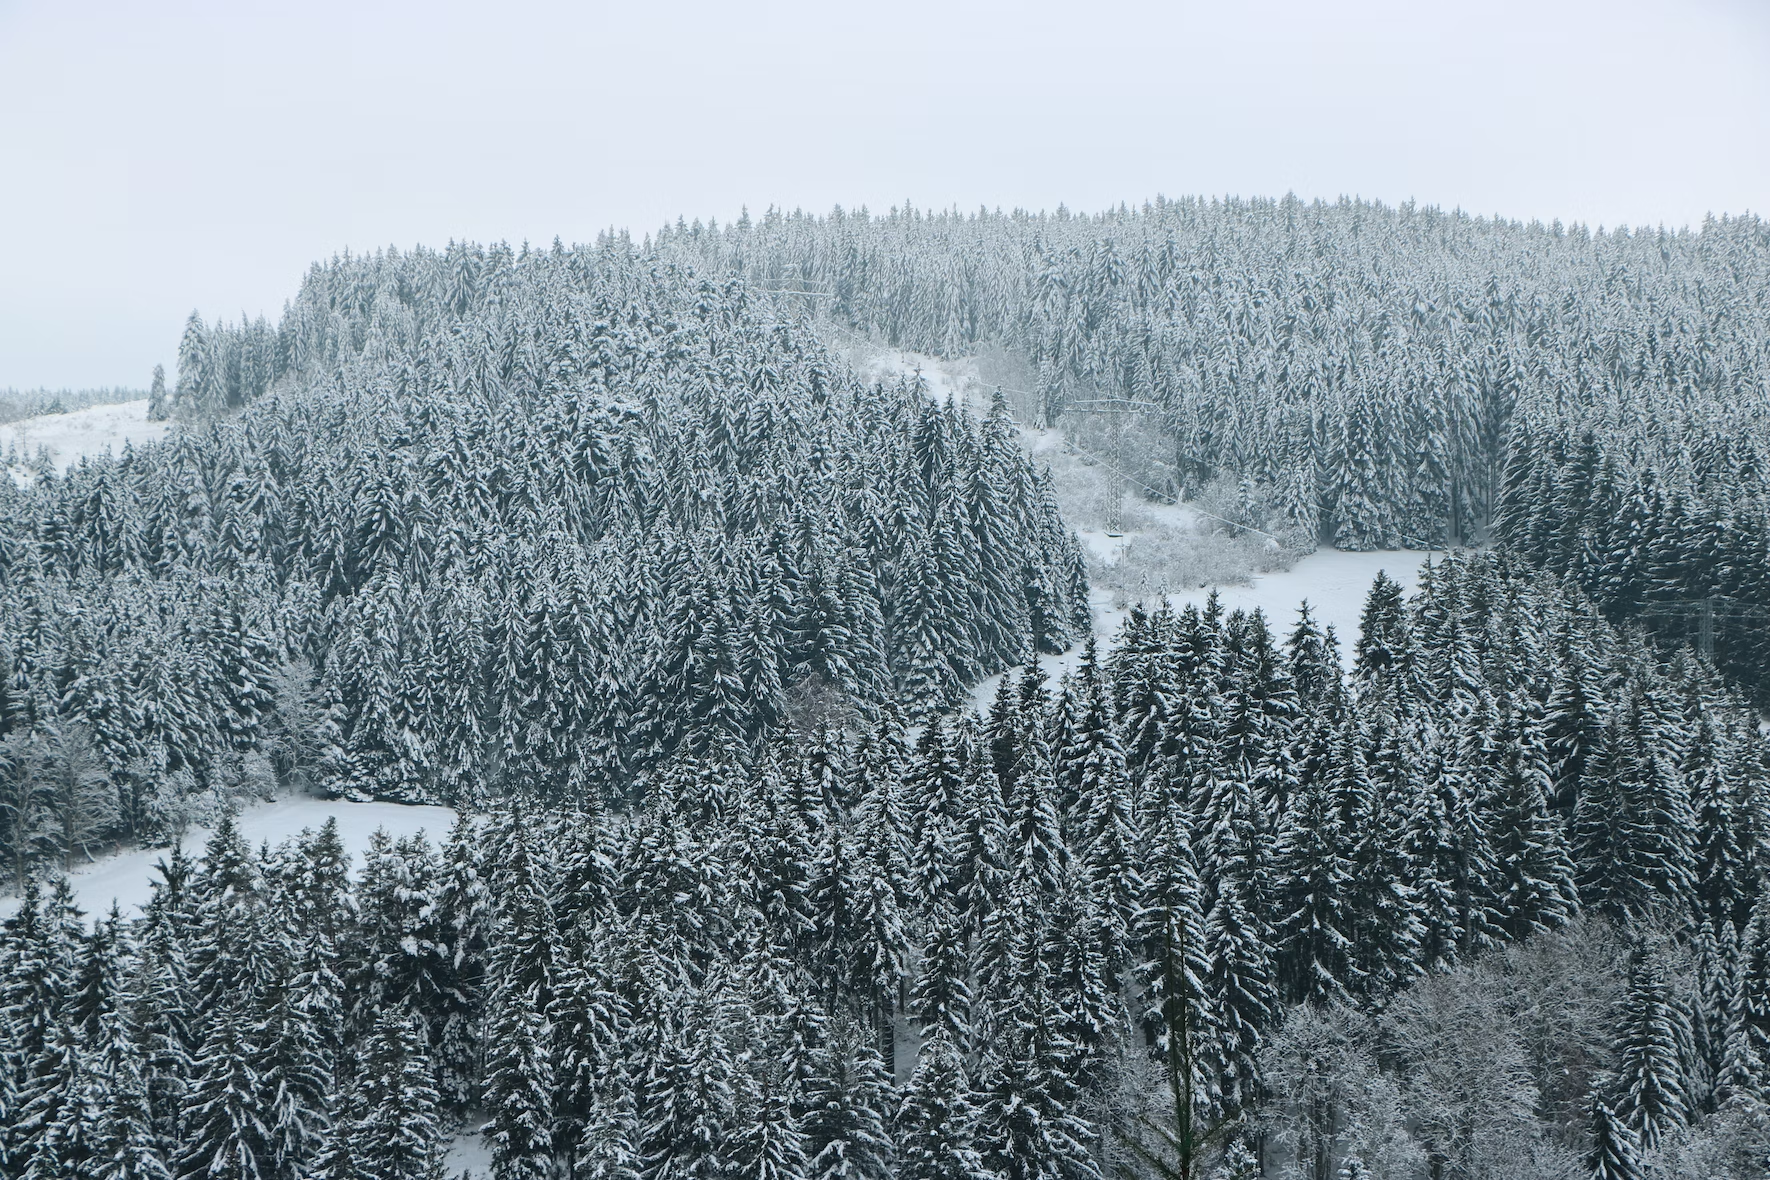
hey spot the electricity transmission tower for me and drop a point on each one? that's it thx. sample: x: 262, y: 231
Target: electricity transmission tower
x: 1699, y: 615
x: 1115, y: 410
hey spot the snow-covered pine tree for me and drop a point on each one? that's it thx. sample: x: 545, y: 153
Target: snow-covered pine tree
x: 1385, y: 931
x: 847, y: 1125
x: 520, y: 1084
x: 1313, y: 895
x: 940, y: 999
x: 1181, y: 1016
x: 228, y: 1134
x: 395, y: 1126
x: 1536, y: 890
x: 937, y: 1122
x: 1616, y: 1148
x: 1109, y: 831
x: 296, y: 1059
x: 1654, y: 1042
x: 690, y: 1108
x: 1029, y: 1121
x: 124, y: 1145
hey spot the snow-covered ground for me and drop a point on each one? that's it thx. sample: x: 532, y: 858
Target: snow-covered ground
x: 1334, y: 583
x: 125, y: 876
x: 957, y: 379
x: 468, y: 1153
x: 91, y: 431
x: 1153, y: 518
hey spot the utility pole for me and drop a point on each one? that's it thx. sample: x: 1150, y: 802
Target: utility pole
x: 1453, y: 532
x: 1116, y: 409
x: 1696, y: 617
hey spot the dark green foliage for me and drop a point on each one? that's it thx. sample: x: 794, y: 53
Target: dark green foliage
x: 576, y: 512
x: 1377, y: 377
x: 835, y: 957
x: 1616, y: 1149
x: 937, y: 1123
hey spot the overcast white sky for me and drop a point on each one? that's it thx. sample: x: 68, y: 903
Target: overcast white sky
x: 165, y: 156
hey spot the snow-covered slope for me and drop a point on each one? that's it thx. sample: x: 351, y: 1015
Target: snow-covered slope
x: 1334, y: 583
x: 125, y: 876
x: 91, y: 431
x: 956, y: 379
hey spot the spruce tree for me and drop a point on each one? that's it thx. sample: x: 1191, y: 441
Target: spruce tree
x: 396, y: 1127
x: 847, y: 1131
x: 227, y: 1134
x: 691, y: 1095
x: 295, y: 1066
x: 1110, y: 834
x: 1386, y: 932
x: 1655, y: 1050
x: 58, y: 1110
x: 770, y: 1143
x: 519, y: 1085
x: 1314, y: 889
x: 937, y: 1123
x: 609, y: 1147
x: 940, y: 999
x: 1240, y: 979
x: 1536, y: 889
x: 1616, y: 1149
x: 1383, y: 656
x: 124, y: 1146
x: 463, y: 919
x: 1028, y: 1122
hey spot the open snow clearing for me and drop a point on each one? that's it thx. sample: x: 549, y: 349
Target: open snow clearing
x: 76, y: 435
x: 125, y: 877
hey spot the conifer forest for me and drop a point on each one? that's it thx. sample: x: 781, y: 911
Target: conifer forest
x: 811, y: 822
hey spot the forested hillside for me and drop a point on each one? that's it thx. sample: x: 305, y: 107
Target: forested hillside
x: 505, y: 525
x: 607, y: 549
x: 1385, y: 377
x: 1211, y: 875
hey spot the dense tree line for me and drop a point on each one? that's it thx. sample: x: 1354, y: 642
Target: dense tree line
x: 1382, y: 377
x: 1682, y: 544
x: 1188, y: 904
x: 1378, y: 377
x: 506, y: 519
x: 605, y: 547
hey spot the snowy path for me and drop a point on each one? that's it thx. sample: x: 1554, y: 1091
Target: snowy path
x: 91, y: 431
x: 125, y: 876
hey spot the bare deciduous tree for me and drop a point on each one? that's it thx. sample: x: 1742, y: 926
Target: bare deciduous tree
x: 83, y: 793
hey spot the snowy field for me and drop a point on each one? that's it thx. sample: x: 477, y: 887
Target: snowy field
x: 1151, y: 518
x: 956, y: 379
x: 68, y: 437
x: 1333, y: 582
x: 125, y: 876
